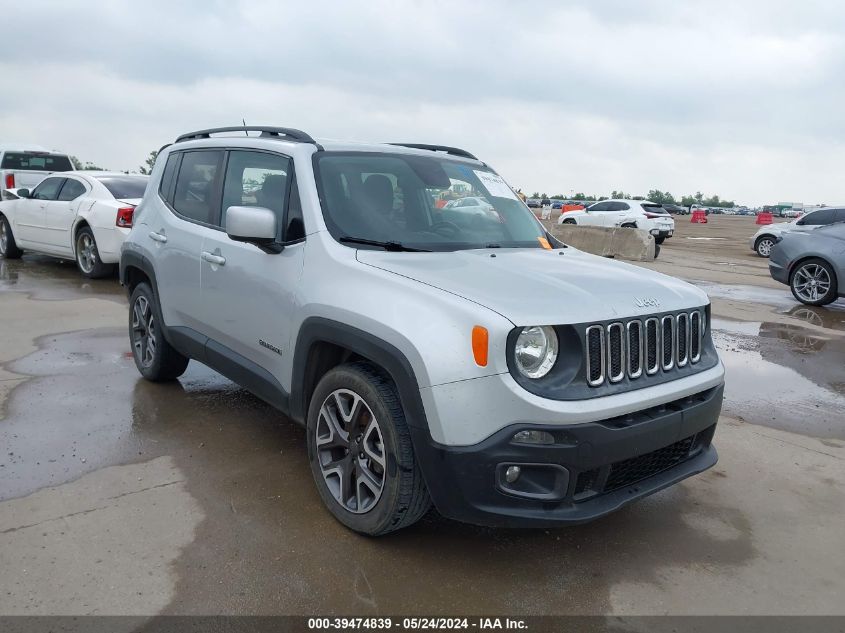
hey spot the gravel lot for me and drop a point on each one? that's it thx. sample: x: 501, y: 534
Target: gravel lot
x: 118, y: 496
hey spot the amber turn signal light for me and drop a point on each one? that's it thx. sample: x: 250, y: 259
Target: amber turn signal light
x: 480, y: 343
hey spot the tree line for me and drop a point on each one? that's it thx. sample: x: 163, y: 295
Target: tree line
x: 655, y: 195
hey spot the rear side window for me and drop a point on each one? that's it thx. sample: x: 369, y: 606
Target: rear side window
x: 125, y: 187
x: 195, y: 197
x: 36, y: 161
x: 620, y: 206
x: 165, y: 188
x: 48, y: 189
x: 71, y: 190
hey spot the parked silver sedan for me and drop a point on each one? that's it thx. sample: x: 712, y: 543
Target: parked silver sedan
x: 811, y: 264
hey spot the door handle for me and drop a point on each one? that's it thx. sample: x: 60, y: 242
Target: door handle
x: 211, y: 258
x: 158, y: 237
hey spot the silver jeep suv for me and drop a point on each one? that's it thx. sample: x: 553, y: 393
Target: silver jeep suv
x: 457, y: 355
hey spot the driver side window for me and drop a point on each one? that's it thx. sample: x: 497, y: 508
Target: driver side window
x: 48, y: 189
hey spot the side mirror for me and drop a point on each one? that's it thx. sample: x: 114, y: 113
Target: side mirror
x: 24, y: 193
x: 254, y: 225
x: 800, y: 223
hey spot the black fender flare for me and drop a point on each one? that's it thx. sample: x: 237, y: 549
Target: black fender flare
x: 316, y: 330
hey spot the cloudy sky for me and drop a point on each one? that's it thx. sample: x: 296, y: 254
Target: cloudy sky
x: 745, y: 99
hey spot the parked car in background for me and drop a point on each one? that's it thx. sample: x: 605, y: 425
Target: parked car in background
x: 533, y: 203
x: 812, y: 264
x: 558, y: 204
x: 467, y: 209
x: 637, y: 214
x: 24, y: 166
x: 80, y: 215
x: 767, y: 236
x: 790, y: 213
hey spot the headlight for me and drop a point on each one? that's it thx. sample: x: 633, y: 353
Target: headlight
x: 535, y: 351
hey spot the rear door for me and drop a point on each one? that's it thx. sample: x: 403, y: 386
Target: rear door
x: 59, y: 215
x: 247, y: 294
x: 192, y: 212
x: 29, y: 219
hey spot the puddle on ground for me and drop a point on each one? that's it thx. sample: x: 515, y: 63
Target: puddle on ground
x: 48, y: 278
x: 784, y: 376
x: 755, y: 294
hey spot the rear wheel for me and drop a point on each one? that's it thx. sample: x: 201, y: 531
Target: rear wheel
x: 8, y: 248
x: 360, y: 451
x: 154, y: 357
x: 88, y: 257
x: 763, y: 245
x: 568, y: 221
x: 813, y: 282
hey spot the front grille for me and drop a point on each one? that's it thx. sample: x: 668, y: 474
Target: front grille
x: 636, y: 347
x: 632, y: 470
x: 615, y: 352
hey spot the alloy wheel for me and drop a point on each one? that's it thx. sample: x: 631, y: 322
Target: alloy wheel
x: 143, y: 332
x: 811, y: 282
x: 86, y: 253
x: 4, y: 238
x: 764, y: 248
x: 350, y: 451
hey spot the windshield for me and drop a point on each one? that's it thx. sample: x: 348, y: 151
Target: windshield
x: 422, y: 203
x: 36, y: 161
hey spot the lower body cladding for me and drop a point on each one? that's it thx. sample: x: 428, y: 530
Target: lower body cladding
x: 580, y: 472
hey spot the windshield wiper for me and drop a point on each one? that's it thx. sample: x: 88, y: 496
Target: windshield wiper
x: 395, y: 247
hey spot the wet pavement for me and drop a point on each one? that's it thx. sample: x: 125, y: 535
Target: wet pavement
x: 122, y: 496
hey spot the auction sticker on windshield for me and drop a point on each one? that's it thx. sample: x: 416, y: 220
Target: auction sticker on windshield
x: 497, y: 187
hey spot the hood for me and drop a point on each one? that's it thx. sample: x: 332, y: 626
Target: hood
x: 539, y: 287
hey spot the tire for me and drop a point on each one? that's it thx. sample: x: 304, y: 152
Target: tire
x: 763, y: 245
x: 656, y: 250
x: 629, y: 225
x: 813, y: 282
x: 158, y: 362
x: 659, y: 240
x: 88, y: 257
x: 568, y: 221
x: 358, y: 396
x: 8, y: 247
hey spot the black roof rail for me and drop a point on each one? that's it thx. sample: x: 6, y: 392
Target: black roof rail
x: 288, y: 133
x: 455, y: 151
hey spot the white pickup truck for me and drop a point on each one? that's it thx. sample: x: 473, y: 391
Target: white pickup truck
x: 24, y: 166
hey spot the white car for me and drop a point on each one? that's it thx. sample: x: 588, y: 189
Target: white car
x: 635, y: 214
x: 24, y: 166
x: 81, y: 215
x: 465, y: 210
x: 763, y: 240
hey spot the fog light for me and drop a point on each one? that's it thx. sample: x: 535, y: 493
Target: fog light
x: 531, y: 436
x: 512, y: 474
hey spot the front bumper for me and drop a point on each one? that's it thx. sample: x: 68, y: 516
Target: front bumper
x: 590, y: 470
x: 778, y: 271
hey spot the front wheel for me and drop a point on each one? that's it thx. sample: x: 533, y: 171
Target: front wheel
x: 8, y: 247
x: 568, y: 221
x: 154, y: 357
x: 659, y: 240
x: 360, y: 451
x: 88, y: 257
x: 813, y: 283
x: 763, y: 245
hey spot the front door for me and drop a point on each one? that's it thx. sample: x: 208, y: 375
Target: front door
x: 29, y: 216
x: 247, y: 294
